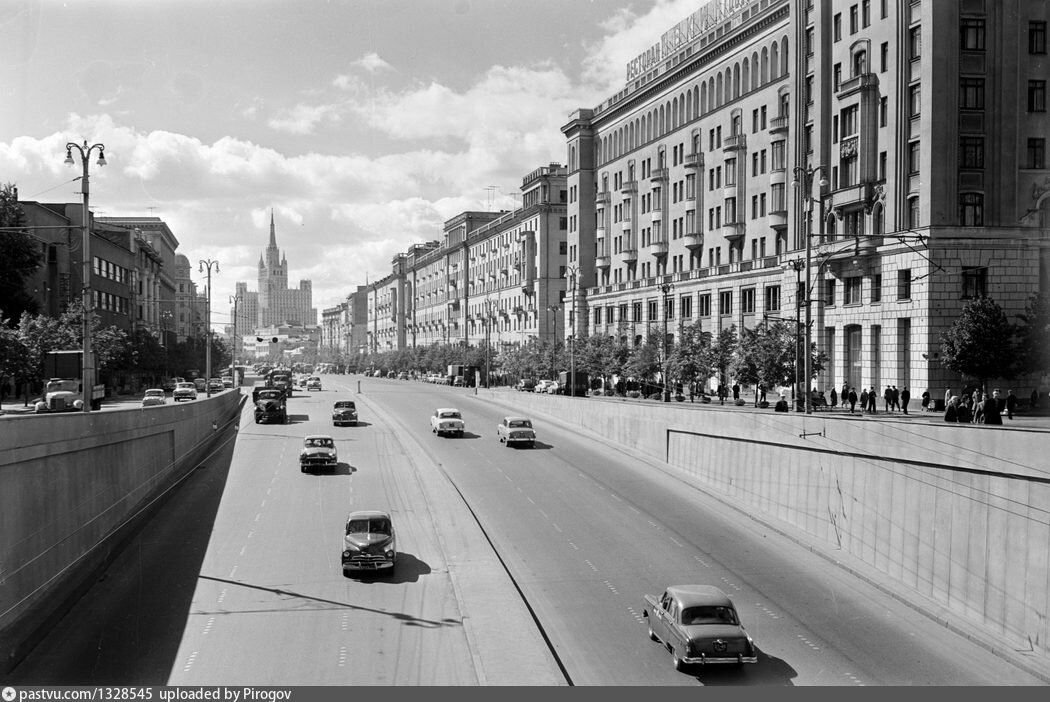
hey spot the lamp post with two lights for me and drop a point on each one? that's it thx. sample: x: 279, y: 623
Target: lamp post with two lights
x: 87, y: 380
x: 207, y: 265
x: 804, y: 179
x: 666, y: 289
x: 797, y: 265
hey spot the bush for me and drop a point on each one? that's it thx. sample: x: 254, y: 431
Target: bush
x: 633, y: 393
x: 763, y: 404
x: 705, y: 399
x: 739, y: 402
x: 654, y: 396
x: 609, y: 393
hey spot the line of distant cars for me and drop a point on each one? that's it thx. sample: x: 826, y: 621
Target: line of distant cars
x: 183, y: 390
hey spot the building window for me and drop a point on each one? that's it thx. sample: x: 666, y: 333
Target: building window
x: 703, y: 305
x: 913, y: 157
x: 971, y: 152
x: 971, y: 31
x: 853, y: 25
x: 747, y: 301
x: 838, y: 76
x: 915, y: 43
x: 851, y: 288
x: 809, y: 41
x: 725, y: 303
x: 974, y: 282
x: 837, y: 26
x: 829, y: 293
x: 971, y: 93
x: 971, y: 209
x: 882, y: 165
x: 884, y: 56
x: 876, y: 288
x: 1037, y: 96
x: 865, y: 13
x: 913, y: 212
x: 687, y: 307
x: 904, y: 284
x: 1036, y: 153
x: 1037, y: 37
x: 884, y: 109
x: 772, y: 298
x: 914, y: 95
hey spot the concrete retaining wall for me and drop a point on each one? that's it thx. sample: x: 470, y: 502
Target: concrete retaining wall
x: 72, y: 484
x: 960, y: 514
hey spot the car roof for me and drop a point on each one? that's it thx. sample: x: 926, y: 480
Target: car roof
x: 516, y: 418
x: 344, y: 403
x: 317, y: 436
x: 155, y: 390
x: 690, y: 595
x: 447, y: 409
x: 367, y: 514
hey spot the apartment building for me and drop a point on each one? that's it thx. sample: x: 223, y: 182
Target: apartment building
x: 890, y: 153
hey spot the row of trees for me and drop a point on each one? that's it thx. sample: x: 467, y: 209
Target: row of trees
x: 981, y: 345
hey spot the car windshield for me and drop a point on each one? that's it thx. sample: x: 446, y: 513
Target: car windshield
x: 320, y: 443
x: 450, y: 415
x: 154, y: 393
x: 344, y: 405
x: 520, y: 424
x: 708, y: 615
x: 375, y: 525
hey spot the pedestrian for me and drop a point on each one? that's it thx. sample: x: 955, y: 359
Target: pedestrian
x: 845, y: 394
x: 782, y: 404
x: 964, y: 408
x: 951, y: 410
x: 834, y: 398
x: 736, y: 392
x: 905, y: 396
x: 863, y: 399
x: 895, y: 398
x: 887, y: 397
x: 991, y: 409
x: 873, y: 398
x: 852, y: 396
x: 925, y: 400
x: 1011, y: 404
x: 1033, y: 401
x: 977, y: 405
x: 947, y: 396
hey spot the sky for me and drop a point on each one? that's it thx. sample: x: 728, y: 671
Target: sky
x: 362, y: 125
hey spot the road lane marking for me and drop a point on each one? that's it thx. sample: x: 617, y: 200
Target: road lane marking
x: 208, y: 625
x: 342, y: 656
x: 556, y: 527
x: 574, y: 546
x: 222, y: 595
x: 590, y: 565
x: 676, y: 542
x: 544, y: 515
x: 233, y: 572
x: 189, y: 662
x: 809, y: 643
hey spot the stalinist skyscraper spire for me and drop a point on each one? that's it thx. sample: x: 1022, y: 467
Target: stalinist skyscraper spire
x: 279, y: 305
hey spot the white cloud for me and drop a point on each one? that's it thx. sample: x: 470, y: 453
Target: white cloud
x: 372, y: 63
x: 303, y: 119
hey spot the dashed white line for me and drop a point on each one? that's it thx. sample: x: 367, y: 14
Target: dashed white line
x: 556, y: 527
x: 591, y: 566
x: 243, y: 549
x: 189, y: 662
x: 676, y: 542
x: 574, y: 546
x: 233, y: 572
x: 544, y: 514
x: 208, y: 625
x: 531, y: 501
x: 342, y: 656
x: 222, y: 595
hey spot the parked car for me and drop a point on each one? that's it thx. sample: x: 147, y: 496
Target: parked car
x: 542, y: 385
x: 369, y: 542
x: 313, y: 383
x: 318, y: 451
x: 344, y: 412
x: 447, y: 420
x: 525, y: 385
x: 227, y: 381
x: 698, y: 624
x: 154, y: 397
x: 184, y: 391
x: 200, y: 384
x: 215, y: 385
x: 552, y: 388
x: 516, y: 430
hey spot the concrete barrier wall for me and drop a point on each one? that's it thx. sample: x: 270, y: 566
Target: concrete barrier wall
x: 69, y: 483
x: 958, y: 513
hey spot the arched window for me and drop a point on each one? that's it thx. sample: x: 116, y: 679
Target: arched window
x: 718, y: 90
x: 860, y: 63
x: 674, y: 113
x: 746, y: 74
x: 736, y: 81
x: 774, y: 62
x: 764, y: 78
x: 784, y: 56
x: 728, y: 86
x: 703, y: 98
x: 754, y: 71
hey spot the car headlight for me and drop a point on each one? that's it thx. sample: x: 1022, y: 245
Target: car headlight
x: 390, y: 553
x: 349, y: 551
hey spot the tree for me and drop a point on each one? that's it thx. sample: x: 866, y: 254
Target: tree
x: 722, y: 352
x: 691, y: 360
x: 980, y: 343
x: 1033, y: 336
x: 645, y: 362
x: 19, y: 258
x: 14, y: 357
x: 765, y: 355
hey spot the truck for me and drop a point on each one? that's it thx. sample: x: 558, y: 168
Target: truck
x: 271, y: 405
x: 565, y: 379
x: 281, y: 378
x: 64, y: 391
x: 467, y: 375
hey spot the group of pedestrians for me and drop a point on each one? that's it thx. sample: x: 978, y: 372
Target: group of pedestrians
x: 895, y: 400
x: 978, y: 407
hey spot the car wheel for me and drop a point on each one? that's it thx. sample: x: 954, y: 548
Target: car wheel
x: 302, y: 469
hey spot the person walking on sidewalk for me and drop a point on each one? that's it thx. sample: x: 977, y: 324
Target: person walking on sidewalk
x: 863, y: 400
x: 887, y: 398
x: 905, y: 396
x: 852, y: 395
x: 835, y: 398
x: 1011, y: 404
x: 873, y: 399
x: 895, y: 398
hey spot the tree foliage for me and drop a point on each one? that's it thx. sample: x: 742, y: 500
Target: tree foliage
x: 765, y: 355
x: 1033, y: 336
x: 20, y: 258
x: 980, y: 343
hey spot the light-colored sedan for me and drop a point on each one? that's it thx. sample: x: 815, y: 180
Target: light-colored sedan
x: 516, y: 430
x: 447, y: 420
x: 154, y: 397
x: 184, y: 391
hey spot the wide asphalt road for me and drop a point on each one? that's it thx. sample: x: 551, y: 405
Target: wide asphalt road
x: 247, y: 589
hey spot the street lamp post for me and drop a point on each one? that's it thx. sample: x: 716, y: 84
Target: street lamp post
x: 573, y: 271
x: 797, y: 265
x: 87, y: 380
x: 666, y: 289
x: 554, y: 337
x: 806, y: 183
x: 207, y: 265
x: 235, y: 299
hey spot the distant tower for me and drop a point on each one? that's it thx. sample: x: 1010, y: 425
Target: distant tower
x: 273, y: 281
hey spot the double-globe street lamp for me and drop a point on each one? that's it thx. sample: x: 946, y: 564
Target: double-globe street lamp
x: 207, y: 265
x: 797, y: 265
x: 553, y: 336
x: 573, y: 271
x: 804, y: 179
x: 87, y: 380
x: 666, y: 289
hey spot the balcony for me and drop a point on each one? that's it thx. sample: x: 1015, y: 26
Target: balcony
x: 735, y: 142
x: 599, y: 232
x: 603, y: 198
x: 778, y: 218
x: 693, y: 241
x: 733, y: 232
x: 778, y: 125
x: 657, y: 214
x: 630, y: 255
x: 602, y: 262
x: 659, y: 175
x: 630, y: 186
x: 658, y: 249
x: 856, y: 84
x: 694, y: 160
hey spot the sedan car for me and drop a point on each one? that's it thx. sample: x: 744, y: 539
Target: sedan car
x: 184, y: 391
x: 447, y: 420
x: 318, y: 451
x: 313, y: 383
x: 154, y: 397
x: 516, y: 430
x: 215, y: 385
x: 541, y: 386
x: 344, y: 412
x: 369, y: 542
x: 698, y: 624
